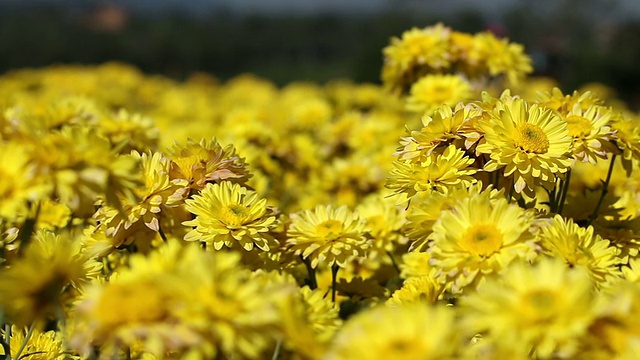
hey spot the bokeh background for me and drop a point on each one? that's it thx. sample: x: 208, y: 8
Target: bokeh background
x: 574, y: 41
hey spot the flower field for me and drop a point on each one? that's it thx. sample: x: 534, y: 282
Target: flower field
x: 461, y: 210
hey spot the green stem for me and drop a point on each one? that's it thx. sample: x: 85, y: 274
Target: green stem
x: 313, y: 283
x: 394, y: 262
x: 510, y: 196
x: 276, y: 352
x: 7, y: 341
x: 565, y: 190
x: 605, y: 190
x: 24, y: 343
x: 334, y: 281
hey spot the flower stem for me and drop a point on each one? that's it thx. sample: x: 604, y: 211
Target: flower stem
x: 334, y: 281
x: 24, y: 343
x: 276, y: 352
x: 394, y: 262
x: 6, y: 343
x: 565, y: 190
x: 313, y: 283
x: 605, y: 190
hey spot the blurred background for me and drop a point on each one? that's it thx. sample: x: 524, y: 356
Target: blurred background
x: 574, y: 41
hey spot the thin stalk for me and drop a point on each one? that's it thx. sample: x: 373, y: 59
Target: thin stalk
x: 394, y: 262
x: 510, y: 196
x: 605, y: 190
x: 565, y: 190
x: 162, y: 234
x: 313, y: 283
x: 7, y: 341
x: 276, y: 351
x: 28, y: 227
x: 334, y: 281
x: 24, y: 343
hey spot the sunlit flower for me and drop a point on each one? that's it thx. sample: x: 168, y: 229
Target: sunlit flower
x: 530, y: 143
x: 415, y: 331
x: 433, y: 91
x: 580, y: 247
x: 39, y: 346
x: 438, y: 173
x: 327, y: 235
x: 479, y: 236
x: 227, y: 213
x: 543, y: 309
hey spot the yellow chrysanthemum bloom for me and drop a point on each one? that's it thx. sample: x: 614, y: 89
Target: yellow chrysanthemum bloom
x: 206, y: 161
x: 415, y: 264
x: 540, y: 310
x: 53, y: 215
x: 591, y: 133
x: 445, y: 125
x: 627, y: 129
x: 532, y: 144
x: 327, y: 235
x: 51, y: 268
x: 418, y: 50
x: 500, y: 57
x: 321, y: 313
x: 384, y: 220
x: 227, y: 214
x: 580, y: 247
x: 556, y: 100
x: 39, y: 346
x: 20, y: 184
x: 615, y: 333
x: 129, y: 132
x: 432, y: 91
x: 440, y: 172
x: 416, y: 289
x: 416, y: 331
x: 479, y: 236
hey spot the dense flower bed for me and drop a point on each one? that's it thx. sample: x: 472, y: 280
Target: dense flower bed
x: 461, y: 210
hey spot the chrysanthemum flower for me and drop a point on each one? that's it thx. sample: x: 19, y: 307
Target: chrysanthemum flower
x: 438, y: 173
x: 580, y: 247
x: 479, y: 236
x: 500, y: 57
x: 227, y: 213
x: 39, y: 346
x: 417, y: 289
x: 327, y: 235
x: 627, y: 128
x: 556, y: 100
x: 32, y: 287
x: 383, y: 222
x: 414, y: 331
x: 542, y: 310
x: 20, y: 184
x: 532, y: 144
x: 206, y: 161
x: 433, y: 91
x: 408, y: 58
x: 442, y: 127
x: 591, y: 133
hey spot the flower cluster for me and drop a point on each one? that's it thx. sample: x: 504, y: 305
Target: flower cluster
x: 145, y: 218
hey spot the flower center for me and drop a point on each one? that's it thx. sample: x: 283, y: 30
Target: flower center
x: 578, y: 126
x: 330, y: 229
x: 531, y: 138
x: 440, y: 93
x: 539, y: 305
x: 482, y: 240
x: 235, y: 214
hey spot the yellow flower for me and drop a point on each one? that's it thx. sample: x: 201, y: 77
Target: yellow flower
x: 34, y: 287
x: 53, y: 215
x: 206, y: 161
x: 438, y: 173
x: 531, y: 144
x: 20, y: 184
x: 433, y: 91
x: 383, y: 222
x: 417, y: 289
x: 477, y: 237
x: 40, y: 345
x: 415, y: 331
x: 129, y: 132
x: 579, y: 247
x: 444, y: 126
x: 500, y: 57
x: 418, y: 50
x: 321, y: 313
x: 227, y: 214
x: 327, y: 235
x: 556, y: 100
x: 542, y: 310
x: 627, y: 128
x: 592, y: 136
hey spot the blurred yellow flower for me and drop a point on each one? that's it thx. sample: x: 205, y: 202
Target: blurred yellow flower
x: 432, y: 91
